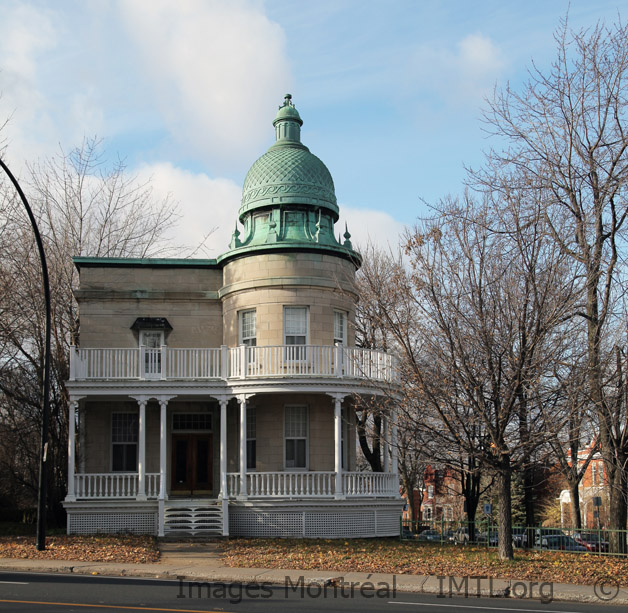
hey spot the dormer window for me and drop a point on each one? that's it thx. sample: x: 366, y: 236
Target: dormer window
x: 151, y: 337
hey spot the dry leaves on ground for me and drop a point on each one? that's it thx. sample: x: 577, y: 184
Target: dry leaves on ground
x: 393, y: 556
x: 97, y: 548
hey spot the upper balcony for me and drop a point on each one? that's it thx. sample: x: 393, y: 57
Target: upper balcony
x: 236, y: 363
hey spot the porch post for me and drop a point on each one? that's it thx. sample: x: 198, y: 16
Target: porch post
x: 224, y: 494
x: 338, y: 444
x: 386, y: 444
x: 163, y: 423
x: 141, y: 452
x: 223, y: 448
x: 73, y: 405
x: 394, y: 469
x: 242, y: 401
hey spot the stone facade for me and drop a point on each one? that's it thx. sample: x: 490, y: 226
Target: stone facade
x: 187, y: 425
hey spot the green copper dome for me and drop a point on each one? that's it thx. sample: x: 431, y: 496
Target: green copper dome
x: 288, y: 199
x: 288, y: 173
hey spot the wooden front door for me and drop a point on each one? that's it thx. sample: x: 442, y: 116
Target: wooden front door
x: 192, y: 467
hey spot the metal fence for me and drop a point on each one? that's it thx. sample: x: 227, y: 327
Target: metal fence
x: 483, y: 532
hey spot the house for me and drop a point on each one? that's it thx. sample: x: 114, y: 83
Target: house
x: 593, y: 491
x: 442, y: 494
x: 440, y: 498
x: 216, y: 396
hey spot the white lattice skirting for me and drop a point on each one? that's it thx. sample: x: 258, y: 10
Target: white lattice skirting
x: 314, y: 523
x: 113, y: 522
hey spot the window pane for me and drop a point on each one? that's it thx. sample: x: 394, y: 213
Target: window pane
x: 289, y: 453
x: 296, y: 321
x: 300, y: 453
x: 251, y: 454
x: 124, y: 428
x: 124, y: 457
x: 296, y: 422
x: 251, y: 423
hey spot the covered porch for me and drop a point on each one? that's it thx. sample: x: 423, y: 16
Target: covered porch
x: 232, y: 478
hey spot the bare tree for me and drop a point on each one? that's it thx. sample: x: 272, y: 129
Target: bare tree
x: 489, y: 293
x: 83, y: 208
x: 567, y: 137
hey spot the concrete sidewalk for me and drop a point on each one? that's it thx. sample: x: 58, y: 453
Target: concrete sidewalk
x: 193, y: 561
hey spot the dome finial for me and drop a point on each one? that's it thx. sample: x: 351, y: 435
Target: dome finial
x: 288, y: 122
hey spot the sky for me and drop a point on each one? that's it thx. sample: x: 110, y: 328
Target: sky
x: 391, y: 93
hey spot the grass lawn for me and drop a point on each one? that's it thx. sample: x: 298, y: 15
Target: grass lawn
x: 401, y: 557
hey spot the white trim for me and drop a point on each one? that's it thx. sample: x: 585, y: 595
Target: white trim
x: 307, y: 437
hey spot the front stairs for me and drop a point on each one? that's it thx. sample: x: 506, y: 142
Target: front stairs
x: 191, y: 517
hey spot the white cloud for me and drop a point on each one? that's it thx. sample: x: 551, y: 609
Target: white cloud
x: 218, y: 69
x: 377, y: 227
x: 26, y: 35
x: 205, y: 204
x: 461, y: 77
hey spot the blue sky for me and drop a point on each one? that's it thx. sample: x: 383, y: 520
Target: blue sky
x: 391, y: 92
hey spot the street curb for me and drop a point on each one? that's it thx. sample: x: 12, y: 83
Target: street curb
x: 420, y: 584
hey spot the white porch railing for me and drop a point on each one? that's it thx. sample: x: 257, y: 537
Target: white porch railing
x: 313, y: 484
x: 370, y: 484
x: 242, y: 362
x: 113, y: 485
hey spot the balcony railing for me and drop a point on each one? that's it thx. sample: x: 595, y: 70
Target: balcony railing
x: 313, y: 484
x: 242, y: 362
x: 113, y: 485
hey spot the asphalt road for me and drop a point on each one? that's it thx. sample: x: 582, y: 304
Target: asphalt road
x: 54, y: 593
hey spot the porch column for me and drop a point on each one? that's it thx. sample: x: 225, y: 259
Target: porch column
x: 242, y: 401
x: 223, y: 448
x: 386, y: 445
x: 141, y: 452
x: 338, y: 398
x: 163, y: 426
x: 72, y: 407
x: 394, y: 469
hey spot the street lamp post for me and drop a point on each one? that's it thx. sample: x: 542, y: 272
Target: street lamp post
x: 41, y: 496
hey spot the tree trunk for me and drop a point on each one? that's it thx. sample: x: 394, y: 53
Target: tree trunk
x: 504, y: 525
x: 576, y: 517
x: 618, y: 511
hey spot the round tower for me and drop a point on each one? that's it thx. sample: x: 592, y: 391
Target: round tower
x: 286, y: 261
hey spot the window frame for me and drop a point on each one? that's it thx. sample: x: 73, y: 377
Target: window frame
x: 341, y: 339
x: 296, y: 355
x: 135, y: 415
x: 241, y: 338
x: 287, y: 407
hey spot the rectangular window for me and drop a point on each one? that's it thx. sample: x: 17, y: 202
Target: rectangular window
x: 295, y: 332
x: 124, y: 437
x: 251, y: 438
x: 192, y: 421
x: 296, y: 434
x: 430, y: 491
x: 594, y: 480
x: 340, y: 328
x: 248, y: 327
